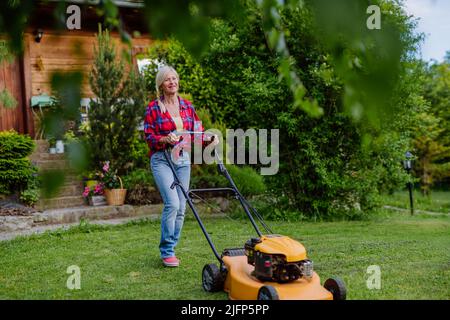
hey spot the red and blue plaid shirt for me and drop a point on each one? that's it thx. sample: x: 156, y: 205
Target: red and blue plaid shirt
x: 158, y: 124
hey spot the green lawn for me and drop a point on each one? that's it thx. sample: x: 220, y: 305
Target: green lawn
x: 438, y: 201
x: 122, y: 262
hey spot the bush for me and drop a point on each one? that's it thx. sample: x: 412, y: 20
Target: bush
x: 16, y: 170
x: 14, y: 145
x: 140, y: 187
x: 31, y: 194
x: 247, y: 180
x: 193, y: 80
x: 139, y: 153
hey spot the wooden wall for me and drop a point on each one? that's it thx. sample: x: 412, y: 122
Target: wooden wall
x: 66, y: 52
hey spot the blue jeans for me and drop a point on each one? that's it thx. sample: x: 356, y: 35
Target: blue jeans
x: 172, y: 217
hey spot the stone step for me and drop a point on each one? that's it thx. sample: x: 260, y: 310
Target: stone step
x: 72, y: 180
x: 36, y: 157
x: 15, y: 223
x: 60, y: 202
x: 70, y: 215
x: 70, y: 190
x: 52, y: 164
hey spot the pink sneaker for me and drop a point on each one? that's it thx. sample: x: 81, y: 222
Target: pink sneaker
x: 171, y: 262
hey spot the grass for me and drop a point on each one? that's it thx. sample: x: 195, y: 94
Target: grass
x: 438, y: 201
x: 122, y: 262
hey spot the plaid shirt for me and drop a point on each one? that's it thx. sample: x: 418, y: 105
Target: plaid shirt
x: 158, y: 124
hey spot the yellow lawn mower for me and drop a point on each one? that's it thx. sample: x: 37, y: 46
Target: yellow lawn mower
x: 267, y: 267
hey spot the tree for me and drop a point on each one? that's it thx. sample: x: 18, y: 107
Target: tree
x: 118, y: 108
x: 328, y: 165
x: 432, y: 133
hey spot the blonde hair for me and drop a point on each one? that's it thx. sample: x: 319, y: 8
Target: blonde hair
x: 160, y: 77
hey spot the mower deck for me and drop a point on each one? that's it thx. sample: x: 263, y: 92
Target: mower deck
x: 241, y: 285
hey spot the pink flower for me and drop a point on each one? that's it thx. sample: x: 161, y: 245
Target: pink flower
x: 86, y: 191
x: 106, y: 167
x: 98, y: 189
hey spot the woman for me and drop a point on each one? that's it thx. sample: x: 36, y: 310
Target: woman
x: 169, y: 113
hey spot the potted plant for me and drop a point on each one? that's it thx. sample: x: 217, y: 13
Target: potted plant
x: 52, y: 145
x: 95, y: 195
x: 114, y: 191
x: 90, y: 179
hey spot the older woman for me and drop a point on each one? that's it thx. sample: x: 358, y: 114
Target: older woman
x: 169, y: 113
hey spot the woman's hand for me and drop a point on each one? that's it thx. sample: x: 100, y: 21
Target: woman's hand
x: 170, y: 138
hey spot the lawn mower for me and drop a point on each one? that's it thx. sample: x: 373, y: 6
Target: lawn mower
x: 268, y: 267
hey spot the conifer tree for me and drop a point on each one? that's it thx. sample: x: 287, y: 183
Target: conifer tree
x: 116, y: 112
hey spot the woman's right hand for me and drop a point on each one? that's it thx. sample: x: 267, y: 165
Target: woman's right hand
x: 170, y: 138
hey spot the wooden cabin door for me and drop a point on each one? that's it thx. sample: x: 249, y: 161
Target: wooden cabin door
x: 10, y: 79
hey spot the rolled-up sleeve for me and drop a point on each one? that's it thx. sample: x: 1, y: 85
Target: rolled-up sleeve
x: 150, y: 132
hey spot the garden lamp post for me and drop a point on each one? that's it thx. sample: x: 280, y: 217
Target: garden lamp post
x: 407, y: 165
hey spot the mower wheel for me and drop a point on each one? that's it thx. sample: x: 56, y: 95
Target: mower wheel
x: 268, y: 293
x: 212, y: 278
x: 337, y: 288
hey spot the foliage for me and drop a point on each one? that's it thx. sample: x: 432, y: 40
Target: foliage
x: 96, y: 190
x: 5, y: 54
x: 193, y: 80
x: 108, y: 177
x: 430, y: 151
x: 14, y: 145
x: 436, y: 201
x: 118, y: 109
x: 138, y: 153
x: 331, y: 165
x: 326, y: 167
x: 7, y: 100
x: 16, y: 170
x: 32, y: 193
x: 248, y: 181
x: 329, y: 64
x: 432, y: 130
x: 138, y: 176
x: 140, y: 187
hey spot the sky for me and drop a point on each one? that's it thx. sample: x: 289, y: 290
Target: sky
x: 435, y: 23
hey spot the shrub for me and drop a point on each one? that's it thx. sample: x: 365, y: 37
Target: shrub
x: 247, y: 180
x: 140, y: 187
x: 16, y: 170
x: 31, y: 194
x: 14, y: 145
x: 139, y: 153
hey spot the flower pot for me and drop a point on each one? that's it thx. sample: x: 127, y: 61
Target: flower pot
x: 59, y: 146
x: 97, y: 201
x: 115, y: 197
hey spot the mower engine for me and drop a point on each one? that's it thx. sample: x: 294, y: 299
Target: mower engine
x: 278, y: 258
